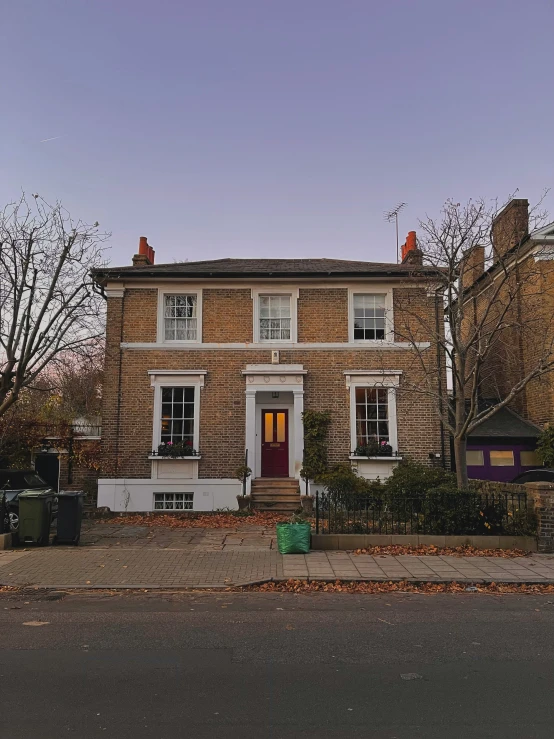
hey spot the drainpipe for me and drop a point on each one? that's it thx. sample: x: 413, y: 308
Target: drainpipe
x: 439, y: 383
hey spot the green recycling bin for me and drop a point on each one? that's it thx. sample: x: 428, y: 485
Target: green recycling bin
x: 70, y: 516
x: 35, y: 516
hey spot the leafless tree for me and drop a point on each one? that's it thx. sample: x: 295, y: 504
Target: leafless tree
x: 494, y: 332
x: 49, y: 307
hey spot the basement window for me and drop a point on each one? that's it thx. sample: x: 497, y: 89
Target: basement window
x: 173, y: 501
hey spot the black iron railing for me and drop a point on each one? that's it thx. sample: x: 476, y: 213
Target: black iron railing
x: 439, y: 513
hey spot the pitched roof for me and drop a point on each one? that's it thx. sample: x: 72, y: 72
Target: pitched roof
x: 266, y: 268
x: 505, y: 423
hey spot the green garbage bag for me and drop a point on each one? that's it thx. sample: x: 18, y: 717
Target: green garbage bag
x: 293, y: 538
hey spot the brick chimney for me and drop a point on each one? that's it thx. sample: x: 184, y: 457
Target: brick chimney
x: 474, y: 265
x: 145, y: 256
x: 510, y: 226
x: 410, y: 253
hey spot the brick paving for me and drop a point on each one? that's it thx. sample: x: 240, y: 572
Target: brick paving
x: 112, y: 556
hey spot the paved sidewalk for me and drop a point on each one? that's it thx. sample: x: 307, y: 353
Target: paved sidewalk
x: 153, y: 567
x: 107, y: 535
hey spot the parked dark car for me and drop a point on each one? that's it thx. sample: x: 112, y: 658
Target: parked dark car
x: 14, y: 482
x: 542, y: 474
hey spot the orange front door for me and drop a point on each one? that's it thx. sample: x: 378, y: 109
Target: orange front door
x: 275, y: 443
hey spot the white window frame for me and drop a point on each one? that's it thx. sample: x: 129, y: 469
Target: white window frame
x: 389, y: 316
x: 175, y: 378
x: 179, y: 290
x: 364, y: 378
x: 293, y: 293
x: 187, y: 508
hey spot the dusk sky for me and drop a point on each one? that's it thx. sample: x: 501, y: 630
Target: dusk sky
x: 248, y: 128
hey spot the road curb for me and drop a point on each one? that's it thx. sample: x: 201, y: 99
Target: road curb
x: 254, y: 583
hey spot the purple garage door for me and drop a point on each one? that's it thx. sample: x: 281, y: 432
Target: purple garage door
x: 500, y: 462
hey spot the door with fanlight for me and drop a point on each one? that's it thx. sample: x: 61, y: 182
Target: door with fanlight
x: 275, y: 443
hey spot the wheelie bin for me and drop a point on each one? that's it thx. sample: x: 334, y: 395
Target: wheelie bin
x: 70, y: 516
x: 35, y: 516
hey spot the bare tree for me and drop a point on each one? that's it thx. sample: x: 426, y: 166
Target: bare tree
x: 488, y: 318
x: 49, y: 306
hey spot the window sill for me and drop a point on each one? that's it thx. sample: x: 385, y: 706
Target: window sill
x: 382, y: 458
x: 163, y: 457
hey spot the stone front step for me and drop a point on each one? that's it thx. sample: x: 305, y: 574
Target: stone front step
x: 278, y: 494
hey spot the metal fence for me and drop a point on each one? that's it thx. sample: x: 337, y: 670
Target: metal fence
x: 439, y: 513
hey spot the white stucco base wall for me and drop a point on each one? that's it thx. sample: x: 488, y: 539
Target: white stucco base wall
x: 134, y: 496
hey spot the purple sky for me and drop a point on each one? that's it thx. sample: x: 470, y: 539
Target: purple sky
x: 273, y: 129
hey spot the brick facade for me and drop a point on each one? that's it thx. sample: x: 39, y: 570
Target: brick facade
x: 134, y: 349
x: 227, y: 317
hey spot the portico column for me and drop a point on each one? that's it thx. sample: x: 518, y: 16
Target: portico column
x: 250, y: 435
x: 298, y: 424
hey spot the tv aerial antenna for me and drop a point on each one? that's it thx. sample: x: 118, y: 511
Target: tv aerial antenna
x: 390, y: 216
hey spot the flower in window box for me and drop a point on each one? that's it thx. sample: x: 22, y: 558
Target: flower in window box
x: 181, y: 448
x: 373, y: 448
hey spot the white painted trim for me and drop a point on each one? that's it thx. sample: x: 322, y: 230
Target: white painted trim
x: 177, y: 372
x: 179, y: 378
x: 273, y: 406
x: 331, y: 346
x: 114, y: 292
x: 355, y: 373
x: 253, y: 427
x: 291, y: 292
x: 161, y: 458
x: 544, y: 253
x: 382, y: 458
x: 389, y: 381
x: 135, y: 495
x: 274, y: 369
x: 369, y: 378
x: 544, y: 234
x: 179, y: 289
x: 281, y: 285
x: 389, y: 315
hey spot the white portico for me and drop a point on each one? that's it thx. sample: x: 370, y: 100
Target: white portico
x: 277, y: 388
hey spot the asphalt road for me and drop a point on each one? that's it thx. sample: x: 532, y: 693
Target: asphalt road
x: 245, y: 666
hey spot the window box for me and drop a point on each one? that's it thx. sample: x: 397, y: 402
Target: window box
x: 165, y: 457
x: 381, y: 458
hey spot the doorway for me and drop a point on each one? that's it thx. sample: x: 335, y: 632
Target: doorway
x: 275, y: 443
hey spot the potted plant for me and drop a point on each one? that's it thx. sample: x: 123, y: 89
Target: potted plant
x: 293, y: 537
x: 307, y: 503
x: 242, y: 474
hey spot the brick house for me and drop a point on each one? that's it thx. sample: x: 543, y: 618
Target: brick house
x: 225, y: 355
x: 527, y: 300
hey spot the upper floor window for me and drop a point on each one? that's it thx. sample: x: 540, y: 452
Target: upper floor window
x: 275, y: 317
x: 369, y: 317
x: 180, y: 317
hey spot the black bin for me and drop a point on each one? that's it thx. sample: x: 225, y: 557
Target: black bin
x: 4, y: 521
x: 70, y: 516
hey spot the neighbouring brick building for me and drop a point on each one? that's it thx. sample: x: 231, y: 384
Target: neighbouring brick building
x: 225, y: 355
x: 522, y: 264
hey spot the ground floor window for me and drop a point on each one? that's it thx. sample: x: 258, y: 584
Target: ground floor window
x: 173, y: 501
x: 502, y: 458
x: 372, y: 415
x: 475, y: 458
x: 530, y: 459
x: 177, y: 422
